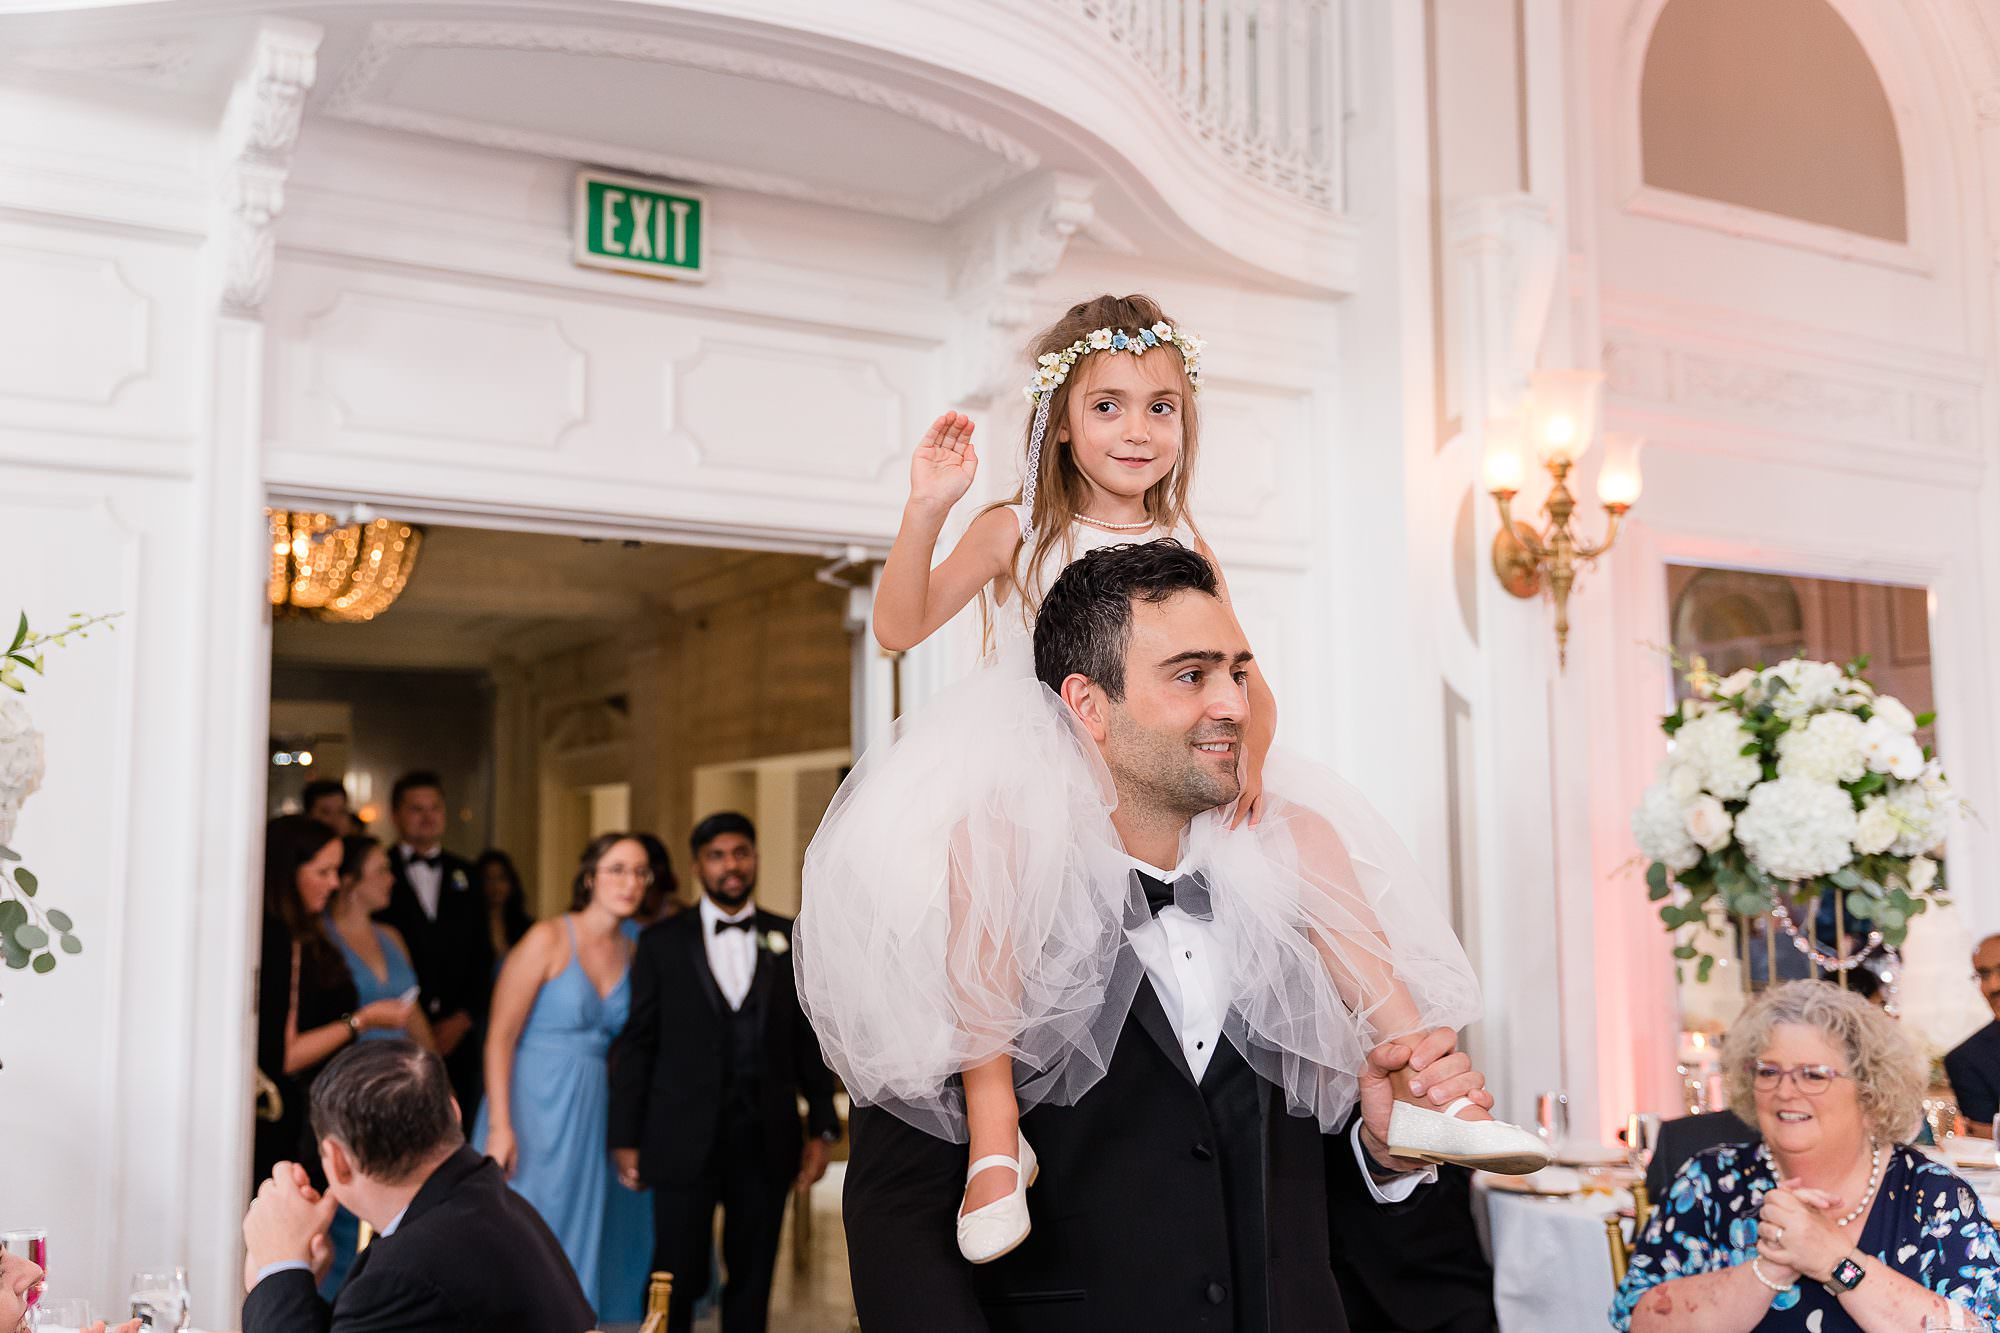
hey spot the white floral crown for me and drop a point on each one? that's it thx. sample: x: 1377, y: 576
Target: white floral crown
x: 1054, y: 367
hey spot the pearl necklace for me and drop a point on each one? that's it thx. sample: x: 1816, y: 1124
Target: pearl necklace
x: 1874, y: 1183
x: 1114, y: 527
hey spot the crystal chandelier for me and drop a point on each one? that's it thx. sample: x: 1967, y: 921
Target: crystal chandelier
x: 329, y: 570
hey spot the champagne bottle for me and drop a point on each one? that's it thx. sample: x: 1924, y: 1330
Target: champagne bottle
x: 659, y: 1292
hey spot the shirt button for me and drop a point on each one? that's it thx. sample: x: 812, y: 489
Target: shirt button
x: 1203, y: 1153
x: 1217, y: 1293
x: 1198, y: 1045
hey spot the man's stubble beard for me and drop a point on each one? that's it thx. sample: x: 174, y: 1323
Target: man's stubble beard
x: 1161, y: 771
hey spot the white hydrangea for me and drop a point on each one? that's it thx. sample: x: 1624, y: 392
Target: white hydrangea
x: 1681, y: 780
x: 1923, y: 811
x: 1826, y: 749
x: 1712, y: 746
x: 1875, y: 829
x: 1659, y: 826
x: 1814, y: 686
x: 21, y: 760
x: 1797, y: 828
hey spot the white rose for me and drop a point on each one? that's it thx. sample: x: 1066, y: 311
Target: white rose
x: 1797, y: 829
x: 21, y: 760
x: 1893, y: 714
x: 1707, y: 823
x: 1735, y: 683
x: 1875, y: 829
x: 1660, y: 829
x: 1922, y: 874
x: 1826, y: 749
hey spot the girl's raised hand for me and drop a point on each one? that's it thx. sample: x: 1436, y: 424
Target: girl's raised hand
x: 944, y: 464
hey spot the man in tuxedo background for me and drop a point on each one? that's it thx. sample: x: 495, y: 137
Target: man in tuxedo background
x: 454, y: 1249
x: 1177, y: 1193
x: 440, y: 910
x: 706, y: 1081
x: 1973, y: 1066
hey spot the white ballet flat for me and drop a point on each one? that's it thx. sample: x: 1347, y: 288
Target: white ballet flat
x: 995, y: 1229
x: 1440, y: 1136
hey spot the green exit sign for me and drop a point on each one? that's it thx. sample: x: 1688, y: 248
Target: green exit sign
x: 634, y: 226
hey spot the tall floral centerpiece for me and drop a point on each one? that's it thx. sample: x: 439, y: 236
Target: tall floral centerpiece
x: 31, y: 933
x: 1786, y: 784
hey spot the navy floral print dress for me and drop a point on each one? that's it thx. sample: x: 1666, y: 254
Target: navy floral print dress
x: 1926, y: 1224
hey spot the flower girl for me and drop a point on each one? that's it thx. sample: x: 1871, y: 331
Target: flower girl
x: 966, y: 898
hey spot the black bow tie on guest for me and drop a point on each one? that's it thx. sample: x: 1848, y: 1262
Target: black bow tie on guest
x: 745, y: 924
x: 431, y: 859
x: 1189, y: 893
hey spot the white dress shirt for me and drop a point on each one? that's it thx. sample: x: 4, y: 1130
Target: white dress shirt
x: 732, y: 954
x: 427, y: 881
x: 1184, y: 966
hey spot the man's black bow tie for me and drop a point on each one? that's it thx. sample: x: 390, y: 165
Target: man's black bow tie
x: 433, y: 860
x: 1189, y: 893
x: 746, y: 923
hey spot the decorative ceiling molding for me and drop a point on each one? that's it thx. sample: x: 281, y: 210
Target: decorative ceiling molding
x: 260, y: 126
x: 352, y: 97
x: 157, y: 62
x: 998, y: 257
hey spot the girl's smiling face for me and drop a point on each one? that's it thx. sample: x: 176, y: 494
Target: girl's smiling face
x: 1124, y: 420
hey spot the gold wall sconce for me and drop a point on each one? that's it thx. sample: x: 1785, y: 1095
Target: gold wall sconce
x: 1561, y: 424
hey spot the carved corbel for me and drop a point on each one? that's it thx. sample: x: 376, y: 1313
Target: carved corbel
x: 260, y: 127
x: 1503, y: 257
x: 999, y: 255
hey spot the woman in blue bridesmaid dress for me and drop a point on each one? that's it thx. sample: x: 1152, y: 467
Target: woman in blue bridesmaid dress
x: 562, y: 998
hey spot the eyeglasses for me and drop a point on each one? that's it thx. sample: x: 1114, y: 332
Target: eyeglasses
x: 1812, y: 1080
x: 643, y: 874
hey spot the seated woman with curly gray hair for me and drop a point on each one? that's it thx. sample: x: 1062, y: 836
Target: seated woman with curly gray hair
x: 1831, y: 1223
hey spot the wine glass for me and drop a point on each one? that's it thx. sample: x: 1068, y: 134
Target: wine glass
x: 1552, y: 1119
x: 1642, y: 1135
x: 32, y: 1244
x: 160, y: 1299
x: 69, y: 1312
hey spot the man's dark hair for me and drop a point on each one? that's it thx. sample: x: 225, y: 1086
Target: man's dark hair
x: 318, y: 788
x: 1085, y: 622
x: 416, y: 781
x: 727, y: 821
x: 389, y: 1103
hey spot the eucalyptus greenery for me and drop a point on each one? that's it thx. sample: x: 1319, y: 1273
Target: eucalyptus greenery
x: 32, y: 934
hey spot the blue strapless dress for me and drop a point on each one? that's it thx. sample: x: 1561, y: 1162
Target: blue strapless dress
x: 561, y: 1102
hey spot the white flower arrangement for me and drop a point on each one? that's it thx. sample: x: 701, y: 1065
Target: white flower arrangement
x: 1787, y: 783
x: 1052, y: 368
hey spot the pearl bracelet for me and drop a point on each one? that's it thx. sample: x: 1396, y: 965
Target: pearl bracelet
x: 1757, y: 1271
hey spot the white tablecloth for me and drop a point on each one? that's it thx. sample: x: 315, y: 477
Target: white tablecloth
x: 1551, y: 1260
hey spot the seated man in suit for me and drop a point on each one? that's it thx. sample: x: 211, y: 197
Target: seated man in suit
x: 455, y: 1249
x: 1974, y: 1065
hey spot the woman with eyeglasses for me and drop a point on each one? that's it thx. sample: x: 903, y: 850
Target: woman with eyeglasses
x: 563, y: 996
x: 1832, y: 1222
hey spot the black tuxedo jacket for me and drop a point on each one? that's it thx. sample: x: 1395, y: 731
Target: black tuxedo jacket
x: 453, y: 955
x: 667, y: 1067
x: 1131, y: 1215
x: 470, y: 1256
x: 1973, y: 1068
x: 1416, y: 1270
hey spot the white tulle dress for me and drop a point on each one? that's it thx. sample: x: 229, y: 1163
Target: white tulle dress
x: 967, y: 897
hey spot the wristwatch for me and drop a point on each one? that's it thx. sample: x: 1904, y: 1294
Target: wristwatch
x: 1845, y: 1277
x: 829, y: 1136
x: 353, y: 1025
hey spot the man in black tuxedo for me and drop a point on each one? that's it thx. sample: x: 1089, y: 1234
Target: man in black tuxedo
x: 1973, y: 1066
x: 706, y: 1081
x: 455, y: 1250
x: 1418, y: 1269
x: 440, y: 910
x: 1177, y: 1193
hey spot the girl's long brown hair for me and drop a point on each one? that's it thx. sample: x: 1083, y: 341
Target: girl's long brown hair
x: 1060, y: 487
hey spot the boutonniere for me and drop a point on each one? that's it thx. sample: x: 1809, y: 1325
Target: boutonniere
x: 775, y: 943
x: 458, y: 879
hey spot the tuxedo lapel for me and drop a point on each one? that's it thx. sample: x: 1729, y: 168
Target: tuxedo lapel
x: 697, y: 945
x: 1152, y: 1019
x: 762, y: 973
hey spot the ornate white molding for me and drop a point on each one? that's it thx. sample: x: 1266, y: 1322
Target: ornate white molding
x: 998, y: 256
x: 156, y: 62
x: 1503, y: 250
x: 260, y: 125
x: 353, y: 98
